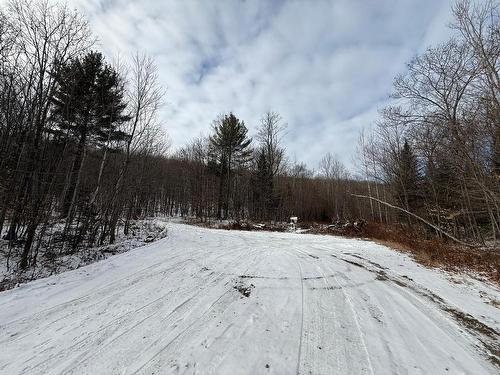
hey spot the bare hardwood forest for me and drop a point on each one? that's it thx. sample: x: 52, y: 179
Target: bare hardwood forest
x: 83, y: 151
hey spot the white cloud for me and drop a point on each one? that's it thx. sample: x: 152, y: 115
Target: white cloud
x: 326, y: 66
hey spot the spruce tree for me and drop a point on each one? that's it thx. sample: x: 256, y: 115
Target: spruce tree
x: 407, y: 178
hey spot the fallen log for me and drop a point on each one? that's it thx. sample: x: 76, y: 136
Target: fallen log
x: 444, y: 233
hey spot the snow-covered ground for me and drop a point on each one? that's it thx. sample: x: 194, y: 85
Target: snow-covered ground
x: 205, y: 301
x: 51, y: 260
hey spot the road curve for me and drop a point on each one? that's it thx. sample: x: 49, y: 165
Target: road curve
x: 224, y: 302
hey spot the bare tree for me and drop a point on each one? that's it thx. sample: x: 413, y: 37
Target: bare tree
x: 145, y: 98
x: 332, y: 168
x: 270, y: 135
x: 46, y: 36
x: 334, y: 174
x: 479, y: 25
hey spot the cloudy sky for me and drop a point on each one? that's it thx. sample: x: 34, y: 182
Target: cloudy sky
x: 325, y: 66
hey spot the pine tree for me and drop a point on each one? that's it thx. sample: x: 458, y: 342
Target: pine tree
x: 229, y: 149
x: 88, y: 106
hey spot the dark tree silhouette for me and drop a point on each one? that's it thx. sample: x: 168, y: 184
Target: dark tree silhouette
x: 229, y: 149
x: 88, y: 107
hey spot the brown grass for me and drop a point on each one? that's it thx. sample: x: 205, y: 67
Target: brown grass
x: 435, y: 252
x: 241, y: 225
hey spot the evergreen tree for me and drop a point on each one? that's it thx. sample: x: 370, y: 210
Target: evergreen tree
x: 496, y: 153
x: 263, y: 186
x: 407, y: 178
x: 88, y: 107
x: 229, y: 149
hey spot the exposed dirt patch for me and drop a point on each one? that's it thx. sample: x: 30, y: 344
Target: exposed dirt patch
x: 318, y: 277
x: 245, y: 290
x: 472, y: 324
x: 495, y: 303
x: 366, y: 260
x: 407, y: 278
x: 263, y: 277
x: 7, y: 284
x: 353, y: 263
x: 382, y: 276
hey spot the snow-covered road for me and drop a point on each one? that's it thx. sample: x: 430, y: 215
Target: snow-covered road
x: 316, y: 305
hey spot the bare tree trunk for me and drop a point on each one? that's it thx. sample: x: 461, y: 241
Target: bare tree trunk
x: 416, y: 217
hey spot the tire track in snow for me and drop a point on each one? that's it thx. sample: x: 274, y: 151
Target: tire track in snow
x: 316, y: 329
x: 301, y: 276
x: 34, y: 322
x: 200, y: 255
x: 205, y: 284
x: 423, y: 299
x: 86, y: 296
x: 132, y: 279
x: 319, y: 366
x: 319, y: 355
x: 191, y: 326
x: 412, y: 297
x: 356, y: 321
x: 179, y: 315
x: 222, y: 278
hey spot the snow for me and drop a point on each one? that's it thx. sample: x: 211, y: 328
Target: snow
x: 204, y: 301
x: 51, y: 260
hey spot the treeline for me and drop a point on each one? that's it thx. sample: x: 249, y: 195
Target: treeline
x: 82, y: 153
x: 437, y: 149
x: 72, y: 129
x: 228, y: 175
x: 432, y: 161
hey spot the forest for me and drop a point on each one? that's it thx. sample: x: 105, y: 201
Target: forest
x: 84, y: 151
